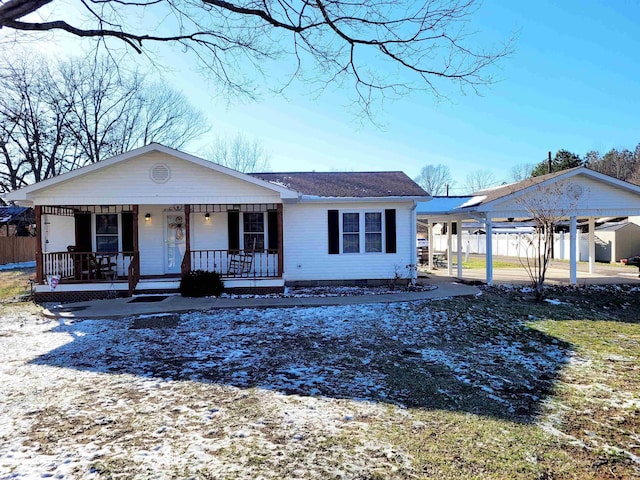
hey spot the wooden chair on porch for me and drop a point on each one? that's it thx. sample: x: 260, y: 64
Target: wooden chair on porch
x: 240, y: 263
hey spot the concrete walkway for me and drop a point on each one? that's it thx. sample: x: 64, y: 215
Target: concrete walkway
x: 124, y: 307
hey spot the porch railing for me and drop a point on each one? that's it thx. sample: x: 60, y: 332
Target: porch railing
x: 254, y: 263
x: 87, y: 266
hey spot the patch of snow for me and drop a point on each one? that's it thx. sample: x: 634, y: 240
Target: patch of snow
x: 554, y: 301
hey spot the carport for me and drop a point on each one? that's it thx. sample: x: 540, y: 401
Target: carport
x: 570, y: 195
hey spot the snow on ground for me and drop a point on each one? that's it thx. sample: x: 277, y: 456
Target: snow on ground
x: 246, y: 393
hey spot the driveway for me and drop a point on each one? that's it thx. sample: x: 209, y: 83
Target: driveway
x: 557, y: 274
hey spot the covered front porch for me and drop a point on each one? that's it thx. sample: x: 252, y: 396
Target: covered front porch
x: 117, y: 250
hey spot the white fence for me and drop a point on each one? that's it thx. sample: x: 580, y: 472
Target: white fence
x: 513, y: 244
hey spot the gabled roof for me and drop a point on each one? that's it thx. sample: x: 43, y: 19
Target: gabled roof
x: 612, y: 227
x: 346, y: 184
x: 22, y: 193
x: 486, y: 200
x: 492, y: 194
x: 313, y: 185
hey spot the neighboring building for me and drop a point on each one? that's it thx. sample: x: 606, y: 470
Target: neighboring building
x: 615, y: 241
x: 16, y: 221
x: 135, y: 222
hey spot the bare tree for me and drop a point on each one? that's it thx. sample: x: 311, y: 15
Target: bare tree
x: 34, y: 143
x: 547, y: 205
x: 111, y: 113
x: 379, y: 47
x: 240, y: 153
x: 435, y: 179
x: 521, y: 171
x: 479, y: 180
x: 56, y: 117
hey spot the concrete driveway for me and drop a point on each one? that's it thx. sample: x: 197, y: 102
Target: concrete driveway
x: 558, y: 273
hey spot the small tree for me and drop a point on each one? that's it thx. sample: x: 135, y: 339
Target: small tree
x: 547, y: 205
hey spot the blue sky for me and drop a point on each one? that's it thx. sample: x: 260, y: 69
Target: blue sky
x: 573, y: 82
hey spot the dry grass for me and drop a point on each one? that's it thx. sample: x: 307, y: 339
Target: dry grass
x: 14, y: 284
x: 528, y: 391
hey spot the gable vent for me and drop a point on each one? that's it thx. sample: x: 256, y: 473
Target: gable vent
x: 160, y: 173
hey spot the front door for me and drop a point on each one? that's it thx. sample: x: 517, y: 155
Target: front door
x: 175, y: 242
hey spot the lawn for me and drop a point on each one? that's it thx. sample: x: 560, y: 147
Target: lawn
x: 493, y: 386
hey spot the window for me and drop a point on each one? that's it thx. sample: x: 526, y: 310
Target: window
x: 106, y: 232
x: 373, y: 232
x: 344, y: 231
x: 350, y: 232
x: 253, y: 228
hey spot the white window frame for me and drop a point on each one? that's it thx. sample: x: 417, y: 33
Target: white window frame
x: 381, y: 232
x: 264, y: 230
x: 362, y: 233
x: 94, y: 230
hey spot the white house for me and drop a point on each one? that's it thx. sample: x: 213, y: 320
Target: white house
x: 136, y: 221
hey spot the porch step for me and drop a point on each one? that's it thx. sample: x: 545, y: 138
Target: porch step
x: 158, y: 285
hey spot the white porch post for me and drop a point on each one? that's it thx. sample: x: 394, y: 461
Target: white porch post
x: 572, y: 251
x: 489, y: 250
x: 459, y: 245
x: 592, y: 245
x: 431, y: 246
x: 414, y: 247
x: 449, y: 249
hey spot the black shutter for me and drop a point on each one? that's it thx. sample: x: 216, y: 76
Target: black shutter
x: 390, y: 230
x: 83, y: 232
x: 334, y: 231
x: 234, y: 229
x: 127, y: 232
x: 272, y: 226
x: 454, y: 228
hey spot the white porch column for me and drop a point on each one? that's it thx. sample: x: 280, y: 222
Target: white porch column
x: 459, y: 245
x: 449, y: 249
x: 592, y: 244
x: 431, y: 246
x: 572, y: 251
x: 489, y: 249
x: 413, y: 272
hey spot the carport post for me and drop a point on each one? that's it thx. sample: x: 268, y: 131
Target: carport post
x: 459, y: 245
x: 592, y: 245
x: 572, y: 251
x: 449, y: 252
x: 489, y: 250
x: 431, y: 247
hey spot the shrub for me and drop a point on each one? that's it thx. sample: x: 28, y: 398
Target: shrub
x: 198, y: 283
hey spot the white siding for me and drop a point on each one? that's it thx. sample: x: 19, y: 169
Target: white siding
x: 151, y: 240
x: 209, y: 235
x: 129, y: 182
x: 306, y: 254
x: 596, y: 199
x: 57, y: 233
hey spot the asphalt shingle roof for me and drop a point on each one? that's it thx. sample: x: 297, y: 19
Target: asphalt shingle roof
x: 346, y: 184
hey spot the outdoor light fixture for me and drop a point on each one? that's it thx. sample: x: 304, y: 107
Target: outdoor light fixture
x: 147, y: 217
x: 207, y: 217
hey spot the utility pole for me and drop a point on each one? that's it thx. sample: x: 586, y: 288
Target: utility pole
x: 549, y: 163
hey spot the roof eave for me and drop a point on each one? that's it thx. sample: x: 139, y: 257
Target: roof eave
x: 394, y: 199
x: 23, y: 194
